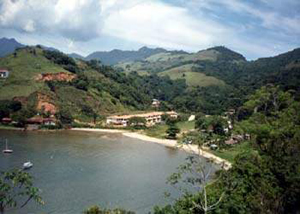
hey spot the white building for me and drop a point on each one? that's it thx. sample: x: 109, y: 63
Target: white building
x: 152, y: 118
x: 4, y: 73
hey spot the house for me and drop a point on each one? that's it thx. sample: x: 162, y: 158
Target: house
x: 51, y: 121
x: 36, y: 120
x: 4, y: 73
x: 231, y: 142
x: 155, y: 103
x: 6, y: 120
x: 172, y: 114
x: 152, y: 118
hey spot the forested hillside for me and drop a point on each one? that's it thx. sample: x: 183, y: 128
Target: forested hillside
x: 209, y: 81
x: 51, y: 81
x: 265, y: 177
x: 218, y: 78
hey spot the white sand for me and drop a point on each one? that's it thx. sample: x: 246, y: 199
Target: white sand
x: 98, y: 130
x: 194, y: 149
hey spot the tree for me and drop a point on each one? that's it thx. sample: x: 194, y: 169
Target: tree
x: 65, y: 116
x: 98, y: 210
x: 193, y: 179
x: 137, y: 122
x: 172, y: 131
x: 21, y: 116
x: 87, y: 110
x: 15, y: 186
x: 216, y: 124
x: 267, y: 180
x: 7, y: 107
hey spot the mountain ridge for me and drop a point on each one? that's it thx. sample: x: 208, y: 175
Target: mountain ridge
x: 8, y: 46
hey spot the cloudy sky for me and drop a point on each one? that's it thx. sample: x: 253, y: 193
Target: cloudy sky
x: 255, y: 28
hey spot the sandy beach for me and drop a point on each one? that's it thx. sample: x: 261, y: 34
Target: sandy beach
x: 194, y: 149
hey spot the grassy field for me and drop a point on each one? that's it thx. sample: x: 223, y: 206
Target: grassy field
x: 158, y: 131
x: 230, y: 154
x: 23, y: 69
x: 186, y: 125
x: 193, y: 79
x: 162, y: 62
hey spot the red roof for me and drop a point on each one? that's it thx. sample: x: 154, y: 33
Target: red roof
x: 6, y: 119
x: 35, y: 119
x: 2, y: 70
x: 49, y: 120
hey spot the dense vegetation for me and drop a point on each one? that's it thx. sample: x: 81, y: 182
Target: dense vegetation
x: 15, y: 185
x: 94, y: 86
x: 219, y: 78
x: 266, y: 178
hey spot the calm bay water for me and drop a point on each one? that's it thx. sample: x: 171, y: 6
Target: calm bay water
x: 76, y: 170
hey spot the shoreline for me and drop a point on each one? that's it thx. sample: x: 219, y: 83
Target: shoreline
x: 165, y: 142
x: 193, y: 149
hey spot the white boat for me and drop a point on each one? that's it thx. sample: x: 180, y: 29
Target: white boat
x: 7, y: 150
x: 27, y: 165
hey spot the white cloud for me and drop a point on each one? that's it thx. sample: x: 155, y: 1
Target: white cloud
x: 269, y: 19
x: 190, y: 25
x: 29, y: 26
x: 76, y: 19
x: 160, y: 24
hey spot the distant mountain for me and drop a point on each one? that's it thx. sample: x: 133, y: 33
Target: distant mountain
x: 183, y: 65
x: 76, y: 56
x: 8, y: 46
x: 117, y: 56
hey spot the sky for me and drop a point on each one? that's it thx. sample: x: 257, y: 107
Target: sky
x: 254, y: 28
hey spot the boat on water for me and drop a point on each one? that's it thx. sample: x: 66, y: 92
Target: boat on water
x: 7, y: 150
x: 27, y: 165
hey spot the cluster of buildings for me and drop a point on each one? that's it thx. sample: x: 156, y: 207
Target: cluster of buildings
x: 152, y: 118
x: 33, y: 123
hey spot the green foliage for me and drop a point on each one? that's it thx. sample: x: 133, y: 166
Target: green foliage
x: 214, y: 124
x: 7, y: 107
x: 98, y: 210
x: 60, y: 58
x: 81, y: 82
x: 172, y: 131
x: 65, y: 116
x: 21, y: 116
x: 137, y: 122
x: 266, y: 178
x: 16, y: 185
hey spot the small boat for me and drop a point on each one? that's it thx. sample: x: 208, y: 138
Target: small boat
x: 27, y: 165
x: 7, y: 150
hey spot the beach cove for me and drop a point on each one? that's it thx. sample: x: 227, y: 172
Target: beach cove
x: 193, y: 149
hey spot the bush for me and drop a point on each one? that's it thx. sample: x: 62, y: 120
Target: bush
x: 172, y: 131
x: 98, y: 210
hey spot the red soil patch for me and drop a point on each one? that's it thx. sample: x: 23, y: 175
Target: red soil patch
x: 61, y: 76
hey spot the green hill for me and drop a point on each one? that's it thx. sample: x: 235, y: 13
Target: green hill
x: 181, y: 65
x: 23, y: 70
x: 193, y: 79
x: 46, y: 80
x: 209, y: 81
